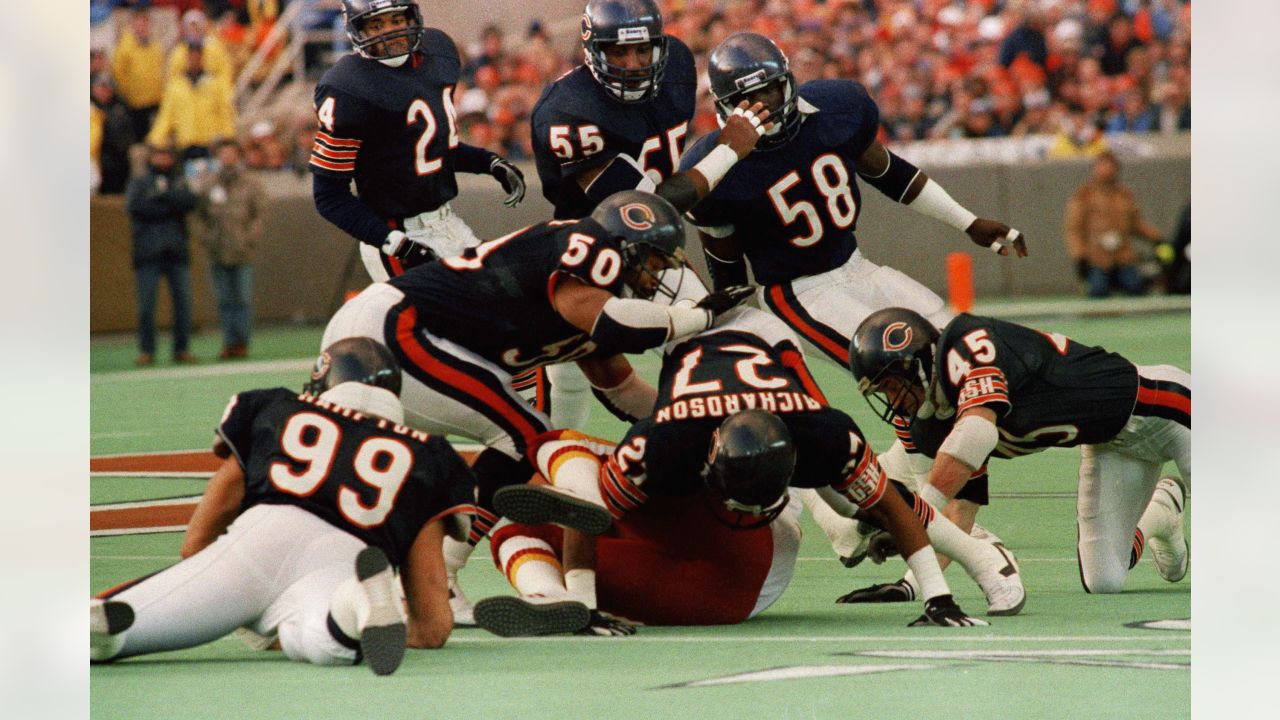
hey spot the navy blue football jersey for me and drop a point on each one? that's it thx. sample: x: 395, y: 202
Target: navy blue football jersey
x: 495, y: 299
x: 392, y: 129
x: 751, y: 361
x: 796, y: 207
x: 1046, y: 389
x: 578, y: 125
x: 379, y: 481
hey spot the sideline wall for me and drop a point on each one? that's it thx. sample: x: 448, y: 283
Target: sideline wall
x: 305, y: 265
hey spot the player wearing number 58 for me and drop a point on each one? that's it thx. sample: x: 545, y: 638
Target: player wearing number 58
x: 387, y: 122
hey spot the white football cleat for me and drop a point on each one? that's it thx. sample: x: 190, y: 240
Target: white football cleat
x: 1167, y: 541
x: 464, y: 613
x: 107, y: 620
x: 384, y: 633
x: 1001, y: 581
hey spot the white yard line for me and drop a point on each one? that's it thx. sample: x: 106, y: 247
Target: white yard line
x: 201, y: 371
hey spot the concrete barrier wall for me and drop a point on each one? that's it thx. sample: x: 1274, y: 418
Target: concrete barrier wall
x: 305, y: 265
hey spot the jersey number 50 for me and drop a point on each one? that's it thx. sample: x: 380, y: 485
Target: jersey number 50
x: 383, y: 463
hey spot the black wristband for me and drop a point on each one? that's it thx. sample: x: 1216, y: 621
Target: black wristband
x: 725, y: 273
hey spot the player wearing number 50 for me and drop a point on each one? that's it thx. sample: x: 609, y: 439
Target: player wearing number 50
x: 318, y: 497
x: 557, y: 291
x: 387, y: 122
x: 1004, y: 390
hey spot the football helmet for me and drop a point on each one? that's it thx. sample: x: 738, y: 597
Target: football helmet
x: 894, y: 344
x: 625, y: 22
x: 355, y: 359
x: 749, y: 469
x: 374, y: 47
x: 744, y: 63
x: 645, y: 225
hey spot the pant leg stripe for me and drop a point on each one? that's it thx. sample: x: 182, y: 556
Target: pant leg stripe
x: 782, y: 300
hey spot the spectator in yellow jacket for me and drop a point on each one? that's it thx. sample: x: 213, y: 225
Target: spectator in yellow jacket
x: 217, y: 60
x: 137, y: 66
x: 196, y: 110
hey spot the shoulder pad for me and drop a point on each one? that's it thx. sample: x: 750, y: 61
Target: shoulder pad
x: 681, y: 67
x: 442, y: 53
x: 845, y: 111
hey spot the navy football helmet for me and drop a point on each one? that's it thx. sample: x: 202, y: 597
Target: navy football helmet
x: 752, y: 458
x: 624, y: 22
x: 645, y: 225
x: 744, y: 63
x: 355, y: 12
x: 355, y: 359
x: 894, y: 344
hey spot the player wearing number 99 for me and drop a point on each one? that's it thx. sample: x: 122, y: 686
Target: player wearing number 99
x: 387, y: 121
x: 1005, y: 390
x: 319, y: 496
x: 554, y: 292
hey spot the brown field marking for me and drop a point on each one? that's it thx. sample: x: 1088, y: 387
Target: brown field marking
x: 178, y: 462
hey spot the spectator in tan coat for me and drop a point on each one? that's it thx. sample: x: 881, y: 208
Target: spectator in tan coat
x: 231, y: 209
x: 1102, y: 218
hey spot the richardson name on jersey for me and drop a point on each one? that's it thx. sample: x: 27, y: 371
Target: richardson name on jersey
x: 358, y: 416
x: 716, y: 406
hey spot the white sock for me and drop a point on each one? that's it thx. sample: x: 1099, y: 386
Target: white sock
x: 349, y: 608
x: 924, y: 565
x: 842, y: 532
x: 576, y: 471
x: 570, y: 396
x: 456, y: 554
x: 531, y: 566
x: 958, y: 545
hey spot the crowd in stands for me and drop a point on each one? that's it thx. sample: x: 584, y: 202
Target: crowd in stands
x: 1077, y: 70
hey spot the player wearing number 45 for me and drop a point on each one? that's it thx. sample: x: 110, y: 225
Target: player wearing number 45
x: 985, y: 387
x: 319, y: 497
x: 554, y: 292
x: 387, y: 122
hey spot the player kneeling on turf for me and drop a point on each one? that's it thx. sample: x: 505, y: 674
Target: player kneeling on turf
x: 320, y: 497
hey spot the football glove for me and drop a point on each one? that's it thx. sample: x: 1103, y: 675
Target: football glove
x: 722, y: 301
x: 873, y: 543
x: 403, y: 248
x: 606, y: 625
x: 898, y: 591
x: 511, y: 179
x: 942, y: 611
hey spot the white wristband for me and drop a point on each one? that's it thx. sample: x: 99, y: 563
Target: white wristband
x: 686, y: 321
x: 716, y: 164
x: 924, y: 564
x: 936, y: 203
x: 581, y: 584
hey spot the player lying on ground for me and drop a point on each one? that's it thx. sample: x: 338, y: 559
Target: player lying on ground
x: 999, y: 389
x: 320, y: 496
x: 725, y: 397
x: 558, y: 291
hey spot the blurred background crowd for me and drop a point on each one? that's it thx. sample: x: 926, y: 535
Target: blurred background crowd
x: 171, y: 71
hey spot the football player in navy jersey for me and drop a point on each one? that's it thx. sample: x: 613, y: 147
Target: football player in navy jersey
x: 791, y: 208
x: 557, y: 291
x: 999, y: 389
x: 387, y: 122
x: 732, y: 401
x: 619, y: 122
x: 319, y: 496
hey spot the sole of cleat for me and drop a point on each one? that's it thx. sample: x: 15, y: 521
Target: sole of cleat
x: 535, y: 505
x: 509, y: 616
x: 383, y: 638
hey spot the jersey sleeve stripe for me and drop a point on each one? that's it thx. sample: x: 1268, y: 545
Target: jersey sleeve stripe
x: 983, y: 386
x: 621, y: 496
x: 336, y: 142
x: 331, y: 154
x: 335, y: 166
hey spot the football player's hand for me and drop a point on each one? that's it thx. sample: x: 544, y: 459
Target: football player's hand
x: 606, y: 625
x: 402, y: 247
x: 511, y: 179
x: 879, y: 593
x: 722, y: 301
x: 997, y: 236
x: 744, y: 126
x: 942, y: 611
